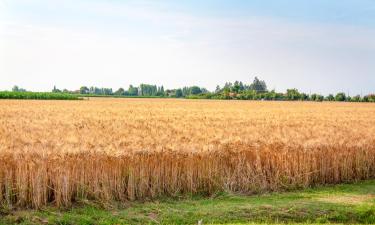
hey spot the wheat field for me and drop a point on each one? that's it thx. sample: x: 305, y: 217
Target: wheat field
x: 60, y: 152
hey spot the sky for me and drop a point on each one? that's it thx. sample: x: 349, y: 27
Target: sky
x: 317, y: 46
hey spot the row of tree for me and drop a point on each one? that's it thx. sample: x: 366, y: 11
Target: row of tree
x: 290, y: 95
x: 145, y: 90
x: 15, y: 88
x: 239, y: 86
x: 257, y: 90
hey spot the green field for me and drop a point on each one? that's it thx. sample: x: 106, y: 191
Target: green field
x: 37, y: 95
x: 343, y: 204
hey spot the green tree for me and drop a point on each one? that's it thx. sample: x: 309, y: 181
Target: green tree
x: 258, y: 85
x: 371, y: 98
x: 292, y: 94
x: 179, y: 93
x: 15, y: 88
x: 133, y: 91
x: 120, y: 91
x: 314, y: 97
x: 356, y: 98
x: 236, y: 88
x: 226, y: 93
x: 330, y: 97
x: 107, y: 91
x: 195, y: 90
x: 55, y: 90
x: 218, y: 89
x: 161, y: 91
x: 340, y: 97
x: 319, y: 98
x: 84, y: 90
x: 304, y: 97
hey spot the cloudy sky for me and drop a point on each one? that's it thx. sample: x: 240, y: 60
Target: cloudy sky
x: 321, y: 46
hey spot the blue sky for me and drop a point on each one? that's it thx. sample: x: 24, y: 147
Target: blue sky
x: 318, y: 46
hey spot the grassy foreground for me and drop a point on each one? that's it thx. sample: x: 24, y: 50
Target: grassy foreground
x: 347, y: 203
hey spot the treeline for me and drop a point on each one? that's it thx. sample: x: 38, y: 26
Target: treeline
x: 144, y: 90
x: 257, y: 90
x: 290, y: 95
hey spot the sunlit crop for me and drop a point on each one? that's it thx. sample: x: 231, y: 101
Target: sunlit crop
x: 58, y: 152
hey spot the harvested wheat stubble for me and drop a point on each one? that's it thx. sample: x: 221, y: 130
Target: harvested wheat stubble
x: 56, y: 152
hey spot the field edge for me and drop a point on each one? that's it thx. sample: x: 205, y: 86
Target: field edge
x: 343, y: 203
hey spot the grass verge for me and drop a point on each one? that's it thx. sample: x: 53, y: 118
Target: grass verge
x: 343, y: 204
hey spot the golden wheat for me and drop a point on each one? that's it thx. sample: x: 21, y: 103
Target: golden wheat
x: 56, y: 152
